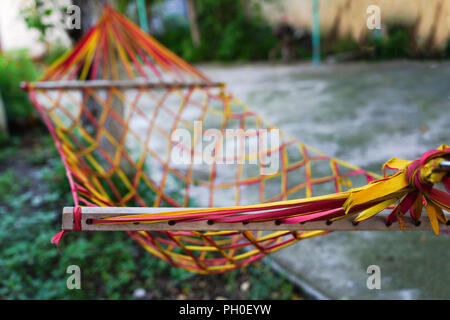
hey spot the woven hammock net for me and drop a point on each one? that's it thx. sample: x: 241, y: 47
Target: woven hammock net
x: 115, y: 142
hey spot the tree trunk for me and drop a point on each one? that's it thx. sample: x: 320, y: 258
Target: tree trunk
x: 245, y: 4
x: 90, y: 13
x: 3, y: 122
x: 192, y: 15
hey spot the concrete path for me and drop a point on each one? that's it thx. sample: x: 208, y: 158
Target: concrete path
x: 364, y: 113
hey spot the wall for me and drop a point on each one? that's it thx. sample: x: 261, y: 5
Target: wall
x: 353, y: 16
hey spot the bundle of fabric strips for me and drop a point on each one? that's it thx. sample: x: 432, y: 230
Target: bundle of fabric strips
x: 412, y: 186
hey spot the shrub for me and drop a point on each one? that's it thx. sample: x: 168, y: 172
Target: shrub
x: 16, y: 67
x: 395, y: 45
x: 227, y: 34
x: 54, y: 52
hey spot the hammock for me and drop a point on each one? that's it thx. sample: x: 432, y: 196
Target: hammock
x: 112, y: 105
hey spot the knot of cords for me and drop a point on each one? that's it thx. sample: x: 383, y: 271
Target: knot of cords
x: 411, y: 187
x: 427, y: 170
x: 77, y: 219
x: 421, y: 175
x: 56, y: 239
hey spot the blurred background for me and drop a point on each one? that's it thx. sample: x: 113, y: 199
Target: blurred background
x: 357, y: 86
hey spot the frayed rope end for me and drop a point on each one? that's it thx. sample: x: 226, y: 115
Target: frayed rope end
x: 56, y: 239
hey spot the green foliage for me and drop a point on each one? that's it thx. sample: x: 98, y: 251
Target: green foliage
x: 347, y: 44
x: 53, y: 53
x: 8, y: 146
x: 227, y: 34
x: 34, y: 17
x: 303, y: 53
x: 36, y: 13
x: 263, y: 283
x: 177, y: 36
x: 16, y: 67
x: 395, y: 45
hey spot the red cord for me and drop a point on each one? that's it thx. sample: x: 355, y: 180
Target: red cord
x: 77, y: 219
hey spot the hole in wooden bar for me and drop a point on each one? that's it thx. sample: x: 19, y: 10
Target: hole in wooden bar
x: 210, y: 222
x: 171, y: 222
x: 388, y: 224
x: 355, y: 223
x: 277, y: 222
x: 88, y: 221
x: 328, y: 222
x: 417, y: 223
x: 448, y: 223
x: 244, y: 222
x: 136, y: 223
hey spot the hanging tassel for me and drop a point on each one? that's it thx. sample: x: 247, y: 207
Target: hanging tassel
x: 56, y: 239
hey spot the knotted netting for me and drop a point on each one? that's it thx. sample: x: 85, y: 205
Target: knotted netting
x: 114, y: 104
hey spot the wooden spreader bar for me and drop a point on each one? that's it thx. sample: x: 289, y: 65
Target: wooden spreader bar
x: 106, y: 84
x: 377, y: 222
